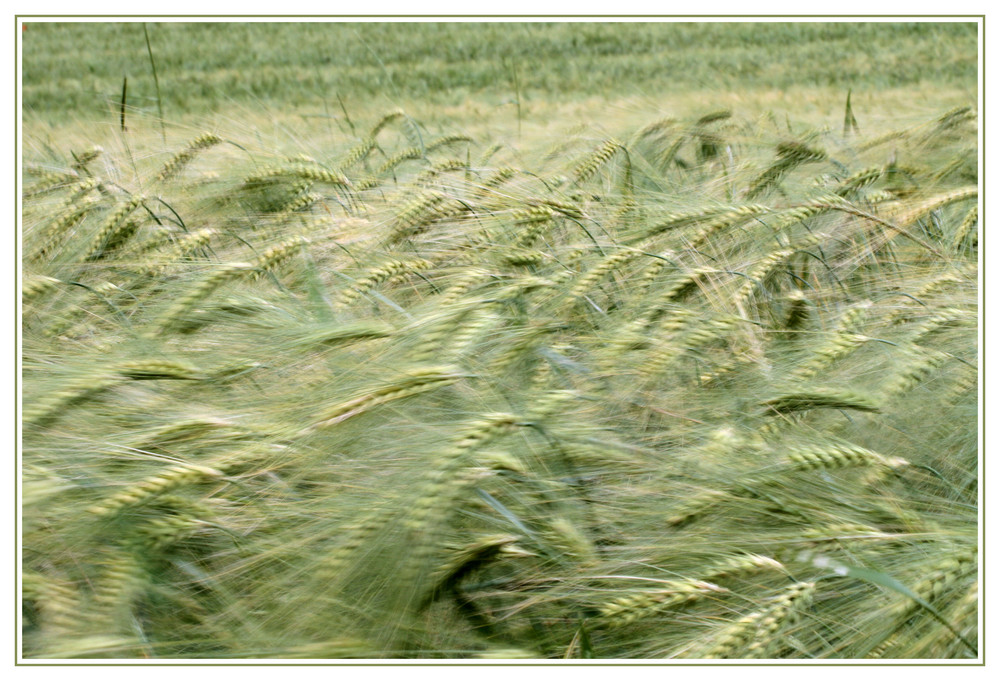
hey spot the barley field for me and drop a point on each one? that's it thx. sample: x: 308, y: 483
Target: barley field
x: 499, y: 341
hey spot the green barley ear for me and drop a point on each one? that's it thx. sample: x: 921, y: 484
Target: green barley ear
x: 840, y: 532
x: 695, y: 507
x: 964, y: 383
x: 656, y: 128
x: 378, y: 275
x: 421, y: 212
x: 408, y: 154
x: 446, y: 140
x: 35, y: 287
x: 854, y: 183
x: 741, y: 565
x: 590, y: 164
x: 908, y: 217
x: 116, y: 591
x: 790, y: 155
x: 55, y: 603
x: 412, y: 382
x: 46, y: 181
x: 115, y: 229
x: 81, y: 162
x: 946, y: 122
x: 462, y: 284
x: 819, y: 398
x: 921, y: 362
x: 685, y: 338
x: 709, y: 142
x: 300, y: 202
x: 174, y: 314
x: 384, y: 121
x: 357, y: 154
x: 276, y: 255
x: 332, y: 336
x: 53, y: 405
x: 713, y: 117
x: 70, y: 214
x: 572, y: 542
x: 841, y: 342
x: 732, y: 641
x: 488, y: 153
x: 799, y: 214
x: 163, y: 532
x: 439, y: 493
x: 464, y: 562
x: 302, y: 171
x: 495, y: 179
x: 965, y: 277
x: 788, y: 607
x: 568, y: 208
x: 334, y: 565
x: 731, y: 218
x: 174, y: 166
x: 451, y: 165
x: 609, y: 264
x: 646, y: 603
x: 365, y: 182
x: 180, y: 249
x: 667, y: 222
x: 521, y: 257
x: 157, y: 485
x: 531, y: 223
x: 832, y: 455
x: 941, y: 578
x: 757, y: 634
x: 764, y: 271
x: 966, y: 235
x: 451, y: 338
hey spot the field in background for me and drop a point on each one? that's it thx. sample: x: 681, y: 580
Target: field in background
x: 500, y: 341
x: 74, y: 70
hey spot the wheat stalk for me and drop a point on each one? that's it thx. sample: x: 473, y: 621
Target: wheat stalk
x: 819, y: 398
x: 790, y: 155
x: 54, y: 404
x: 300, y: 171
x: 169, y: 319
x: 71, y: 213
x: 412, y: 382
x: 172, y: 167
x: 754, y: 635
x: 162, y: 483
x: 842, y: 342
x: 590, y: 164
x: 181, y: 248
x: 357, y: 154
x: 965, y: 228
x: 673, y: 594
x: 114, y: 230
x: 832, y: 455
x: 378, y: 275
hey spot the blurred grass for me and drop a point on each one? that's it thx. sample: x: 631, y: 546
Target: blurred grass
x: 75, y: 69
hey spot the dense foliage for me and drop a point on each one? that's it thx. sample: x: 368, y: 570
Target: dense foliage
x: 704, y: 387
